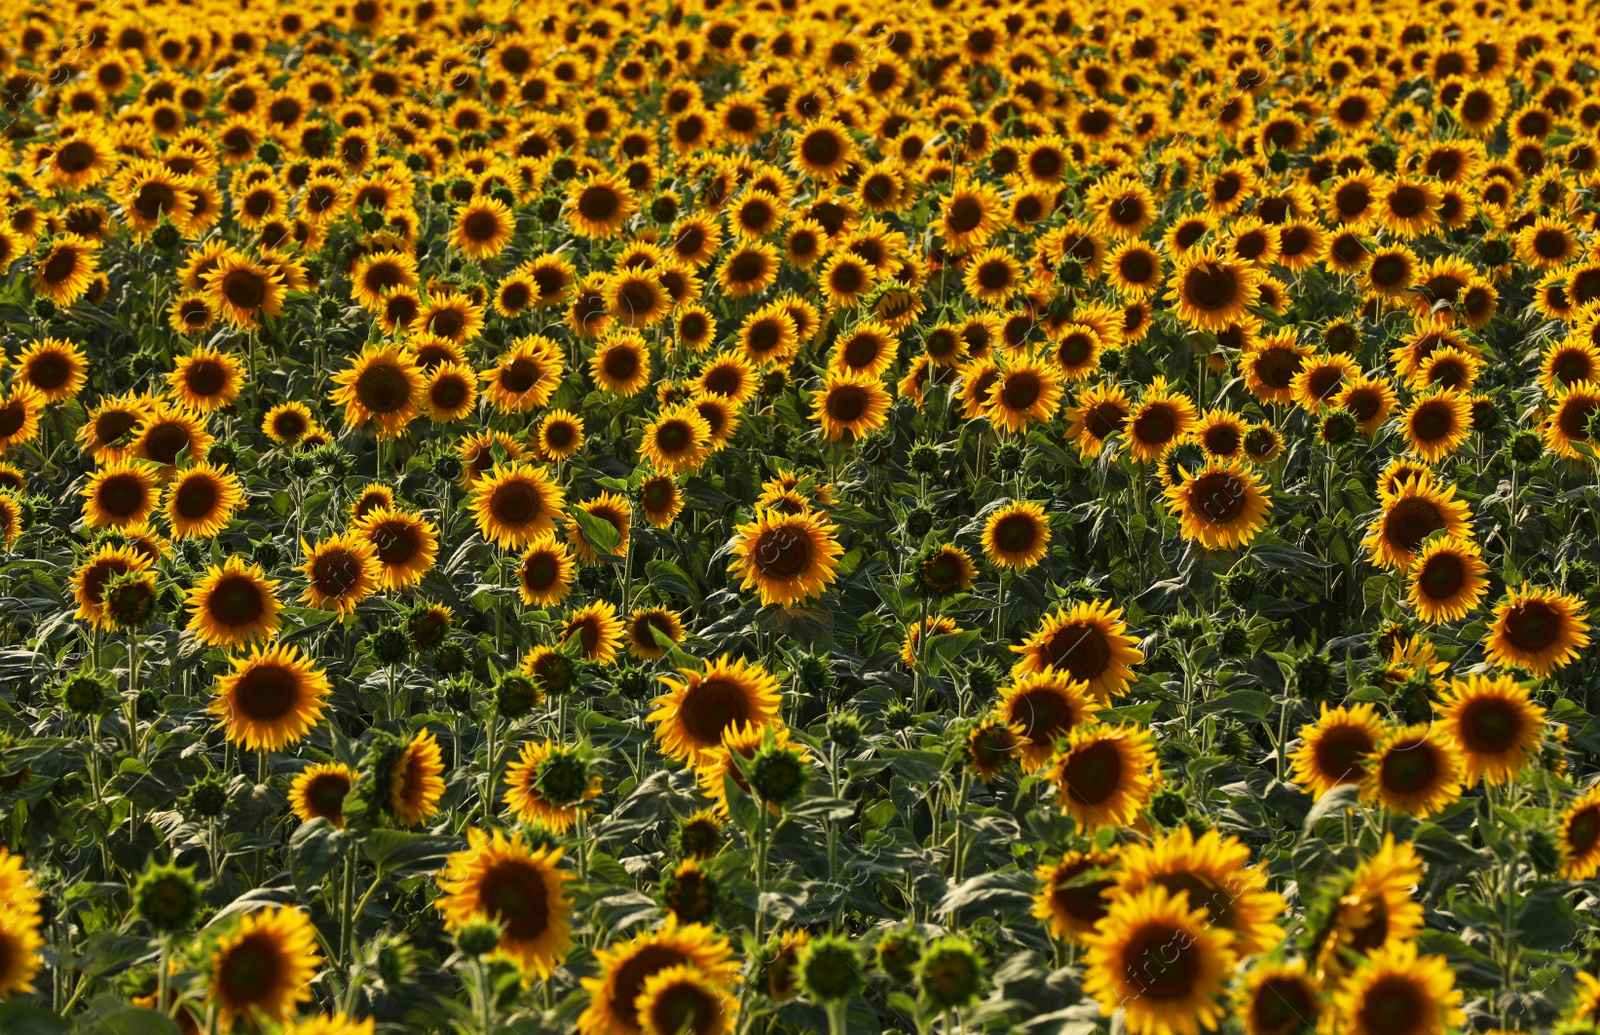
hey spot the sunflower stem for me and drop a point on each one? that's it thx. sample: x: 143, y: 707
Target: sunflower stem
x: 347, y: 899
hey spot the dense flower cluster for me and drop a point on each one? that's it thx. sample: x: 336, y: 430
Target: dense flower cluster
x: 727, y: 514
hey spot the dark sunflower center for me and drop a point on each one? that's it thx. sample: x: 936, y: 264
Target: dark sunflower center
x: 236, y: 600
x: 515, y: 894
x: 1156, y: 424
x: 1489, y: 726
x: 1407, y: 202
x: 481, y: 226
x: 1217, y: 902
x: 49, y: 371
x: 711, y: 707
x: 1574, y: 417
x: 1409, y: 521
x: 621, y: 364
x: 783, y: 552
x: 76, y: 157
x: 448, y: 392
x: 1340, y: 751
x: 1532, y: 626
x: 629, y: 979
x: 519, y: 375
x: 1083, y: 902
x: 122, y: 494
x: 1080, y: 649
x: 252, y: 971
x: 336, y: 572
x: 515, y: 503
x: 1409, y: 769
x: 1441, y: 578
x: 847, y: 403
x: 196, y: 498
x: 60, y: 266
x: 685, y: 1007
x: 1221, y: 439
x: 266, y: 692
x: 674, y: 437
x: 326, y: 793
x: 1211, y: 287
x: 861, y: 351
x: 245, y: 289
x: 964, y: 214
x: 821, y: 149
x: 1044, y: 715
x: 1217, y: 498
x: 1394, y: 1005
x: 1280, y: 1006
x: 598, y: 203
x: 1020, y: 390
x: 289, y: 425
x: 383, y: 388
x: 1583, y: 831
x: 1102, y: 420
x: 1162, y: 962
x: 205, y: 377
x: 396, y: 541
x: 1433, y: 420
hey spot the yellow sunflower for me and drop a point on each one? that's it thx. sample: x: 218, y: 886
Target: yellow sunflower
x: 694, y: 713
x: 1417, y: 770
x: 416, y: 780
x: 234, y: 604
x: 1075, y: 895
x: 121, y: 494
x: 262, y: 968
x: 1537, y: 629
x: 625, y: 966
x: 787, y: 558
x: 521, y: 888
x: 406, y: 544
x: 1396, y: 982
x: 850, y: 406
x: 318, y: 792
x: 1217, y: 875
x: 517, y: 504
x: 677, y: 441
x: 1156, y: 958
x: 1416, y: 508
x: 596, y: 629
x: 55, y: 369
x: 1221, y: 507
x: 206, y: 379
x: 1335, y: 749
x: 545, y: 574
x: 1496, y: 724
x: 1089, y: 642
x: 271, y: 699
x: 341, y: 571
x: 201, y: 500
x: 382, y: 384
x: 526, y: 779
x: 1104, y: 775
x: 1578, y: 836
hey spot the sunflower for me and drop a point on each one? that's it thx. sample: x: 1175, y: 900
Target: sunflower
x: 1016, y: 535
x: 787, y: 558
x: 64, y: 271
x: 264, y: 966
x: 1437, y: 423
x: 716, y: 766
x: 201, y: 500
x: 516, y: 504
x: 57, y: 370
x: 206, y: 379
x: 597, y: 631
x: 234, y: 604
x: 600, y: 206
x: 971, y: 215
x: 167, y: 432
x: 1156, y: 958
x: 1026, y: 390
x: 521, y: 888
x: 406, y: 545
x: 1397, y: 992
x: 92, y: 576
x: 106, y: 431
x: 319, y: 792
x: 661, y: 500
x: 526, y: 780
x: 483, y: 228
x: 1335, y: 749
x: 850, y: 406
x: 682, y: 999
x: 545, y: 573
x: 1074, y: 898
x: 1537, y: 629
x: 621, y: 364
x: 242, y: 291
x: 11, y: 519
x: 1104, y: 775
x: 271, y: 699
x: 824, y: 150
x: 122, y: 494
x: 692, y: 716
x: 373, y: 276
x: 1416, y: 770
x: 415, y: 780
x: 287, y: 423
x: 1415, y: 509
x: 1222, y: 506
x: 1217, y: 875
x: 677, y: 441
x: 624, y: 968
x: 1210, y: 292
x: 1366, y: 909
x: 1042, y: 707
x: 1495, y: 722
x: 383, y: 384
x: 947, y: 570
x: 1578, y: 835
x: 1447, y: 579
x: 559, y: 435
x: 636, y: 298
x: 480, y: 452
x: 19, y: 951
x: 1279, y: 999
x: 1089, y: 643
x: 1097, y: 413
x: 647, y: 625
x: 1370, y: 400
x: 1573, y: 408
x: 341, y: 571
x: 728, y: 376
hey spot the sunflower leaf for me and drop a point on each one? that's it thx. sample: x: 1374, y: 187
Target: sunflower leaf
x: 601, y: 534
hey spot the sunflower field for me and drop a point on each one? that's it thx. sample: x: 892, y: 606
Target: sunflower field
x: 727, y: 517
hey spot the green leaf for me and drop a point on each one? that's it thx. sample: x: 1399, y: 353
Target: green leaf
x: 401, y: 851
x: 602, y: 536
x: 1340, y: 798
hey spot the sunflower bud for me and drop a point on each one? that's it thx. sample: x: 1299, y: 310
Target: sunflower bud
x: 166, y: 236
x: 130, y: 597
x: 1496, y: 251
x: 1241, y: 587
x: 983, y: 681
x: 924, y: 458
x: 515, y: 695
x: 1313, y: 674
x: 950, y: 973
x: 389, y: 646
x: 478, y: 937
x: 919, y: 522
x: 690, y: 893
x: 372, y: 219
x: 830, y: 969
x: 1169, y: 805
x: 167, y: 898
x: 778, y: 774
x: 1069, y: 272
x: 1008, y: 459
x: 450, y: 660
x: 1337, y: 426
x: 564, y: 778
x: 1278, y: 161
x: 1526, y: 447
x: 814, y: 673
x: 1234, y: 641
x: 1110, y: 361
x: 1383, y: 155
x: 699, y: 836
x: 447, y: 467
x: 394, y: 959
x: 897, y: 954
x: 207, y: 799
x: 87, y: 691
x: 844, y: 731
